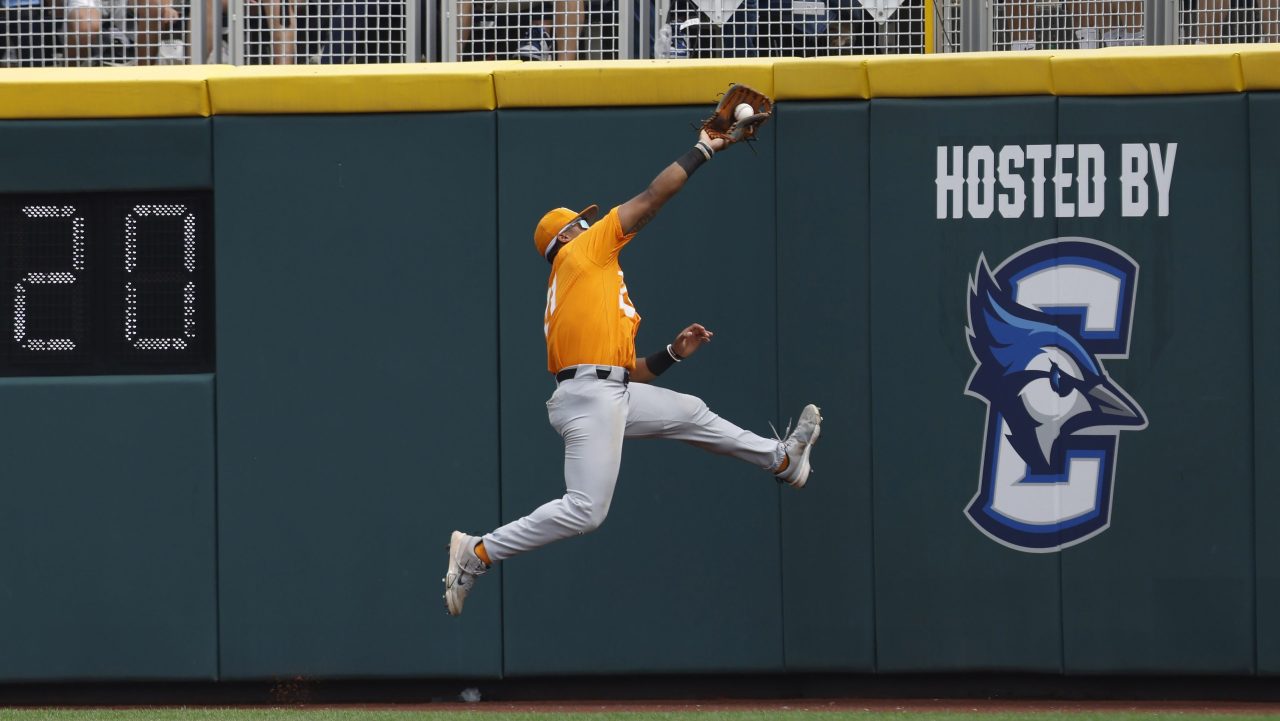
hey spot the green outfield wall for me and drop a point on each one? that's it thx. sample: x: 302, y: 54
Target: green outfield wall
x: 1033, y: 295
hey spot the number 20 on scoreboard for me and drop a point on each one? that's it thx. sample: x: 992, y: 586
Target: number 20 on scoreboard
x: 106, y: 283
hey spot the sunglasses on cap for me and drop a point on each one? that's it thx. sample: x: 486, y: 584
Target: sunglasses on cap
x: 580, y: 222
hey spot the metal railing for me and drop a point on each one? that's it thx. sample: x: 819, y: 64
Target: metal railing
x: 250, y: 32
x: 768, y: 28
x: 946, y: 22
x: 1227, y: 21
x: 1033, y: 24
x: 36, y: 33
x: 786, y: 28
x: 286, y: 32
x: 535, y: 30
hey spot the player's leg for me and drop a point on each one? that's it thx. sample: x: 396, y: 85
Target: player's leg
x: 661, y: 413
x: 591, y: 417
x: 590, y: 414
x: 657, y: 412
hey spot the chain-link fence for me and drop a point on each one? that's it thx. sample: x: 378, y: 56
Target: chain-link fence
x: 794, y: 28
x: 947, y: 25
x: 1035, y: 24
x: 251, y: 32
x: 38, y: 33
x: 1228, y: 21
x: 600, y: 29
x: 287, y: 32
x: 535, y: 30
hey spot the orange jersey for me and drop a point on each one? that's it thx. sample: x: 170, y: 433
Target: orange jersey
x: 589, y: 316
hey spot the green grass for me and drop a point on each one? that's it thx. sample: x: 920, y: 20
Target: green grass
x: 551, y: 715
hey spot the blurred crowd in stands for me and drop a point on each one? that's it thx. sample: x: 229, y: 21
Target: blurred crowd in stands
x: 147, y: 32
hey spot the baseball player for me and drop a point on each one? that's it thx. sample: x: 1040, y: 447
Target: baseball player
x: 602, y: 391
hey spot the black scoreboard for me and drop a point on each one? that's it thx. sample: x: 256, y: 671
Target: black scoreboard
x: 106, y: 283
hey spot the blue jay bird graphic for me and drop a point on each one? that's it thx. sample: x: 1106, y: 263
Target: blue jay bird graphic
x: 1038, y: 377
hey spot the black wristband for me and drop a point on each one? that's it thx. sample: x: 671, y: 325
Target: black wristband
x: 696, y: 156
x: 659, y: 362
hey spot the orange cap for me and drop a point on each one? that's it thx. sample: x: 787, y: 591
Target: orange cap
x: 557, y: 220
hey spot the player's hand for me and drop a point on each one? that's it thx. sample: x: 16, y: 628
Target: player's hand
x: 690, y: 340
x: 716, y: 144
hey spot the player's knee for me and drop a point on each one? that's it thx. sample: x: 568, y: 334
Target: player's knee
x: 594, y: 520
x: 586, y: 515
x: 593, y: 517
x: 693, y: 409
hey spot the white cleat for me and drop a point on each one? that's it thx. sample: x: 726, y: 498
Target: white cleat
x: 464, y: 567
x: 797, y: 446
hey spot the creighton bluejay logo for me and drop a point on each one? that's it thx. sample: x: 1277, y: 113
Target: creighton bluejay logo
x: 1039, y: 327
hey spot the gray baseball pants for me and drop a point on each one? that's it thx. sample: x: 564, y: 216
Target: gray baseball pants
x: 593, y: 416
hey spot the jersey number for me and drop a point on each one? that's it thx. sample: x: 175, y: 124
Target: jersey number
x: 624, y: 303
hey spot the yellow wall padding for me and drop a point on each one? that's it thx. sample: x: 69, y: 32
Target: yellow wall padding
x: 27, y: 93
x: 820, y: 78
x: 202, y: 90
x: 416, y: 87
x: 960, y: 74
x: 1149, y: 71
x: 1260, y: 65
x: 626, y: 82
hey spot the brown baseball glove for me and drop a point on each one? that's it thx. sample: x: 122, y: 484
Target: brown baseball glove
x: 724, y: 124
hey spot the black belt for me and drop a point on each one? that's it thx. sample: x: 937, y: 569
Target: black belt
x: 601, y: 373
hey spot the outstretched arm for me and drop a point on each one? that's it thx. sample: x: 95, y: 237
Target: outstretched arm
x: 637, y: 212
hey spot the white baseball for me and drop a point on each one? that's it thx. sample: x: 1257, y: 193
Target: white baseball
x: 743, y: 111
